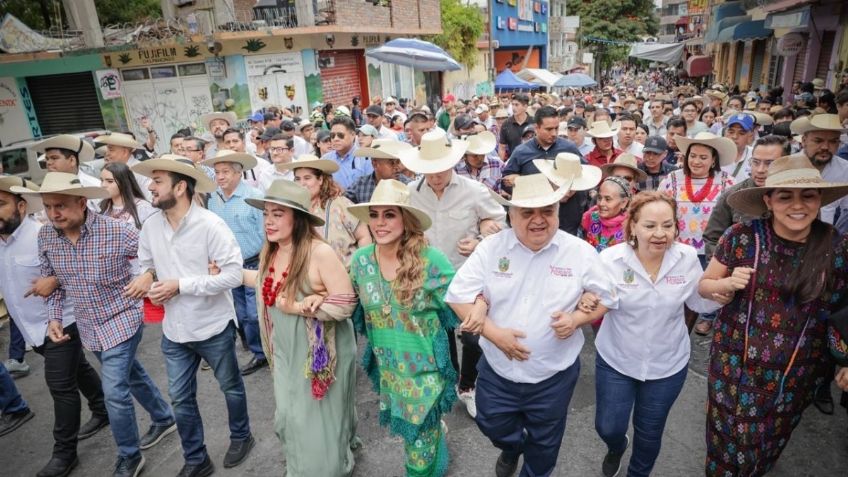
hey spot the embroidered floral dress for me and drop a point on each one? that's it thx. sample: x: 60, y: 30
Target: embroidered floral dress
x: 757, y: 393
x: 602, y: 233
x: 339, y: 227
x: 407, y: 356
x: 693, y: 216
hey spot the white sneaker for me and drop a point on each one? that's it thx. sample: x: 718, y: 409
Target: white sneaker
x: 469, y: 399
x: 16, y: 368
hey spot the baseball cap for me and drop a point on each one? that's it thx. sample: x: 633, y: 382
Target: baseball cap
x: 288, y: 125
x: 463, y: 121
x: 417, y: 112
x: 448, y: 98
x: 368, y: 130
x: 481, y: 109
x: 744, y: 120
x: 257, y: 117
x: 655, y: 144
x: 576, y: 121
x: 374, y: 110
x: 530, y: 128
x: 269, y: 133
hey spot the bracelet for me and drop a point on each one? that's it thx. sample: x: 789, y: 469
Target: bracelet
x: 480, y: 296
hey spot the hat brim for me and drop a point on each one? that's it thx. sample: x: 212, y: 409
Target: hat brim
x: 203, y: 183
x: 33, y: 201
x: 247, y: 161
x: 411, y: 159
x: 590, y: 176
x: 315, y: 220
x: 535, y: 202
x: 485, y: 143
x: 111, y: 140
x: 605, y: 135
x: 750, y: 201
x: 207, y: 118
x: 87, y: 192
x: 376, y: 153
x: 608, y: 168
x: 726, y: 149
x: 323, y: 165
x: 360, y: 211
x: 85, y: 154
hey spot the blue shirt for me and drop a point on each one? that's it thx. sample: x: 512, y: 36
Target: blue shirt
x: 521, y: 160
x: 243, y: 219
x: 350, y: 168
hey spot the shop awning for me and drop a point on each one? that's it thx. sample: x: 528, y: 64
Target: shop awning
x: 799, y: 18
x: 669, y: 53
x: 682, y: 21
x: 721, y: 13
x: 539, y: 76
x: 750, y: 30
x: 699, y: 65
x: 723, y: 24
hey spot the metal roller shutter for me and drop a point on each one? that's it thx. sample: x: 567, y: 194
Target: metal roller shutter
x: 800, y: 62
x: 827, y: 42
x: 339, y: 76
x: 740, y: 54
x: 66, y: 103
x: 759, y: 59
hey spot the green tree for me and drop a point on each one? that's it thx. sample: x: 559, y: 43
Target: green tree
x: 621, y: 20
x: 462, y: 26
x: 111, y: 12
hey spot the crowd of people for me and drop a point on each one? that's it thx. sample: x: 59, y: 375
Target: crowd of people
x: 506, y: 223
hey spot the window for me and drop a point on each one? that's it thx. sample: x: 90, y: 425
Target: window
x: 192, y: 69
x: 135, y: 74
x: 163, y: 72
x: 14, y: 161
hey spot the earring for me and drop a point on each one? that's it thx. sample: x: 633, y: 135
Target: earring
x: 767, y: 214
x: 633, y: 243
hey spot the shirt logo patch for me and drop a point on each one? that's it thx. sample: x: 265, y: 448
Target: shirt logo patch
x: 561, y: 271
x: 503, y: 264
x: 629, y: 276
x: 675, y: 280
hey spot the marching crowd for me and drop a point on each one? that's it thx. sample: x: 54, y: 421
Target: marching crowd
x: 507, y: 223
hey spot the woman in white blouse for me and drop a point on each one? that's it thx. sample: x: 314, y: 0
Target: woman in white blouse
x: 643, y: 346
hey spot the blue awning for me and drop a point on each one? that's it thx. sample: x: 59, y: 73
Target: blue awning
x: 750, y: 30
x: 721, y: 13
x: 725, y: 24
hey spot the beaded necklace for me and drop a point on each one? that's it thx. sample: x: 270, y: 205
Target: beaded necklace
x: 702, y: 194
x: 270, y: 290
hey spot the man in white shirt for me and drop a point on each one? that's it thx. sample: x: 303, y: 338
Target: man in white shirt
x: 119, y: 148
x: 175, y: 249
x: 301, y: 146
x: 374, y: 117
x: 392, y: 110
x: 531, y: 278
x: 66, y: 369
x: 820, y: 141
x: 463, y: 211
x: 255, y: 176
x: 626, y: 135
x: 216, y: 123
x: 281, y: 150
x: 64, y: 153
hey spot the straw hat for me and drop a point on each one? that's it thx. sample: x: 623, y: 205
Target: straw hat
x: 62, y: 183
x: 179, y: 165
x: 533, y: 191
x: 118, y: 139
x: 83, y: 150
x: 382, y: 149
x: 33, y: 202
x: 207, y: 118
x: 818, y: 83
x: 787, y: 172
x: 437, y: 153
x: 762, y: 119
x: 247, y: 161
x: 392, y: 193
x: 288, y: 194
x: 566, y: 168
x: 625, y: 160
x: 312, y: 162
x: 816, y: 122
x: 601, y: 129
x: 712, y: 93
x: 502, y: 114
x: 725, y: 147
x: 481, y: 143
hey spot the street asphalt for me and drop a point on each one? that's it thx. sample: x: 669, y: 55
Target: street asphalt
x: 819, y: 446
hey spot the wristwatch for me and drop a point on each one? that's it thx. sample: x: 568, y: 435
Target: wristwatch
x: 152, y: 272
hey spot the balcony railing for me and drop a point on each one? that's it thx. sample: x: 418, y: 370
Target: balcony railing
x: 281, y: 14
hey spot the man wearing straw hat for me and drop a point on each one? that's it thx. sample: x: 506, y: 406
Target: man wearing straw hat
x: 384, y: 159
x: 463, y: 211
x: 567, y: 170
x: 175, y: 248
x: 66, y: 369
x: 228, y: 202
x: 216, y: 123
x: 481, y: 162
x: 531, y: 278
x: 90, y: 256
x: 119, y: 148
x: 602, y: 136
x: 64, y: 153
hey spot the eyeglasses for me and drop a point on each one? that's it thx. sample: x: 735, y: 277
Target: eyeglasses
x: 339, y: 135
x: 190, y: 150
x: 279, y: 149
x: 689, y: 110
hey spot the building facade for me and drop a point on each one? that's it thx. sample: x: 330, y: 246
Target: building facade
x: 520, y: 31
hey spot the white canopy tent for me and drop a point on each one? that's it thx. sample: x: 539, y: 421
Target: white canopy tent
x: 539, y: 76
x: 669, y: 53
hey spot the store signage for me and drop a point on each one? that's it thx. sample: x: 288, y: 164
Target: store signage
x: 525, y: 27
x: 277, y: 63
x: 109, y: 82
x: 152, y: 56
x: 790, y: 44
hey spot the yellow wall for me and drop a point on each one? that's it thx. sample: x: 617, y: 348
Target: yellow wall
x: 463, y: 83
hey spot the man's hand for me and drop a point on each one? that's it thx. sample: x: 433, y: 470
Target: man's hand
x: 588, y: 302
x: 509, y: 180
x: 56, y: 333
x: 842, y: 379
x: 563, y: 324
x: 466, y: 245
x: 43, y: 287
x: 213, y: 267
x: 473, y: 323
x: 506, y: 339
x: 139, y: 286
x: 161, y: 292
x: 722, y: 298
x: 489, y: 227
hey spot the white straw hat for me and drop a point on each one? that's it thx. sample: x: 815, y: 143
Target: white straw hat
x: 64, y: 184
x: 437, y: 153
x: 118, y: 139
x: 566, y: 168
x: 83, y: 150
x: 383, y: 149
x: 601, y: 129
x: 247, y: 161
x: 726, y: 148
x: 288, y: 194
x: 625, y: 160
x: 312, y: 162
x: 533, y: 191
x: 207, y: 118
x: 390, y: 193
x: 33, y: 201
x: 179, y: 165
x: 481, y: 143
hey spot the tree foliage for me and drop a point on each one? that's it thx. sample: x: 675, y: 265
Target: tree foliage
x: 462, y: 26
x: 127, y: 11
x: 622, y: 20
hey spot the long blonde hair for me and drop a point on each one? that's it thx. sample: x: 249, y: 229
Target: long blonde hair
x: 330, y: 189
x: 410, y: 275
x: 303, y: 236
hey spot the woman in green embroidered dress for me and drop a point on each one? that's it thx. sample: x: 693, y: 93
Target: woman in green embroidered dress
x: 401, y: 282
x: 306, y: 300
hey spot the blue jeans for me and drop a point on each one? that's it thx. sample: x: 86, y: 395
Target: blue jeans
x: 124, y: 378
x: 11, y: 401
x: 244, y: 299
x: 650, y: 401
x: 521, y: 418
x: 182, y: 361
x: 17, y: 345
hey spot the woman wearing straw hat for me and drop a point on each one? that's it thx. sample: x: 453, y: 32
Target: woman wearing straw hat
x: 344, y: 232
x: 769, y: 352
x: 306, y: 303
x: 401, y: 282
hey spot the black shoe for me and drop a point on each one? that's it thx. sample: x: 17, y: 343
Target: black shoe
x: 198, y: 470
x: 253, y: 366
x: 129, y: 466
x: 58, y: 467
x: 505, y: 467
x: 238, y: 451
x: 204, y: 366
x: 93, y: 425
x: 823, y: 400
x: 612, y: 461
x: 12, y: 421
x: 155, y: 434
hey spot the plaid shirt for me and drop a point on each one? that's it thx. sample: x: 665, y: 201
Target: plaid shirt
x: 489, y: 174
x: 93, y: 273
x: 362, y: 190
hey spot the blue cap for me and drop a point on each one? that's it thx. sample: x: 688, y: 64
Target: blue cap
x: 257, y: 117
x: 744, y: 120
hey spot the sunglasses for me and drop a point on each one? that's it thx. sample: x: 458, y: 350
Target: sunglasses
x: 279, y: 149
x: 339, y: 135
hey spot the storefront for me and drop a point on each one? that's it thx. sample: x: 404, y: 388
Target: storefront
x: 277, y: 80
x: 516, y: 26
